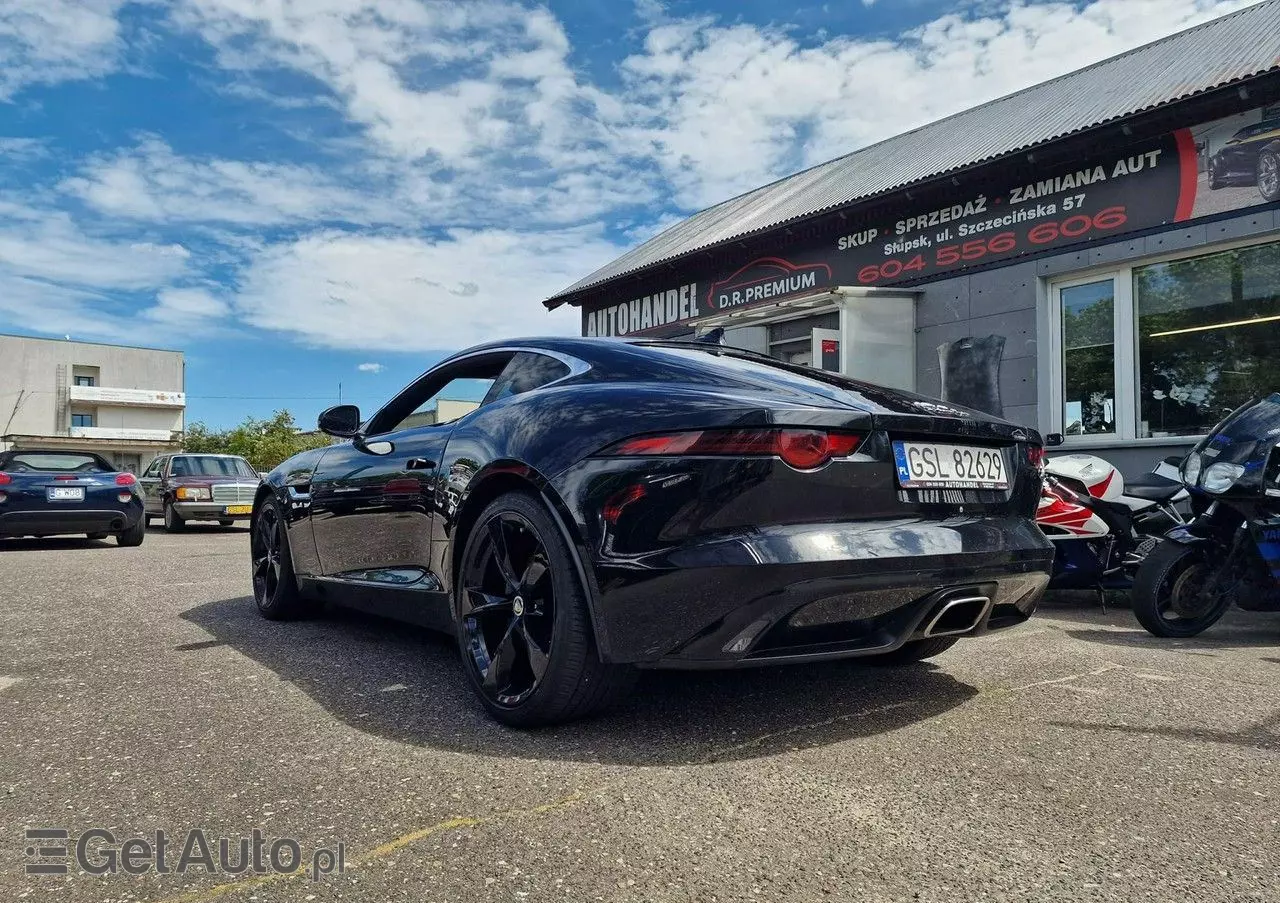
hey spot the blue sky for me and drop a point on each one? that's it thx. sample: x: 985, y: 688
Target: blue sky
x: 306, y: 193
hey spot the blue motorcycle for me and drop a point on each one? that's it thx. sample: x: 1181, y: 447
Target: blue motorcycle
x: 1229, y: 553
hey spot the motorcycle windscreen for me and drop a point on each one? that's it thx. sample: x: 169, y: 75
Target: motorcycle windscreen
x: 1248, y: 432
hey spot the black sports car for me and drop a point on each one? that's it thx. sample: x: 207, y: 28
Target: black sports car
x: 612, y: 504
x: 54, y: 492
x: 1250, y: 157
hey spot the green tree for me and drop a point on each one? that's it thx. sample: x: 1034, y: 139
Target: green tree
x: 263, y: 443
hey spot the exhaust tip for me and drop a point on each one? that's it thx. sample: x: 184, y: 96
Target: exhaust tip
x: 958, y: 615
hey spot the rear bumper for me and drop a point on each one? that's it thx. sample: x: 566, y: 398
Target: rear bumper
x: 54, y: 523
x: 211, y: 511
x: 818, y: 591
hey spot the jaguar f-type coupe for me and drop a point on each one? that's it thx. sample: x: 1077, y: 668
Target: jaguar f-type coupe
x: 609, y: 505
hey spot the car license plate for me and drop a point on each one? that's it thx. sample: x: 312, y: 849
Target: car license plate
x: 238, y: 509
x: 66, y: 493
x: 936, y: 465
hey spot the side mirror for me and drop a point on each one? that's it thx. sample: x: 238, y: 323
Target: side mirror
x: 341, y: 420
x: 1053, y: 439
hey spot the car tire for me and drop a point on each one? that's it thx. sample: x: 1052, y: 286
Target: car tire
x: 275, y: 585
x: 132, y: 536
x: 1156, y: 581
x: 173, y: 522
x: 225, y: 523
x: 96, y: 535
x: 1268, y: 175
x: 1215, y: 181
x: 555, y: 631
x: 916, y: 650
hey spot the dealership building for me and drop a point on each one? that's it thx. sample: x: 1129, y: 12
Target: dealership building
x: 125, y: 403
x: 1098, y: 255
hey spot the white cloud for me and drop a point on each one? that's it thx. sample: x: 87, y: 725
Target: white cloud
x: 371, y: 368
x: 58, y: 277
x: 51, y: 246
x: 187, y: 307
x: 428, y: 80
x: 151, y: 182
x: 48, y: 41
x: 23, y: 150
x: 726, y: 108
x: 404, y: 293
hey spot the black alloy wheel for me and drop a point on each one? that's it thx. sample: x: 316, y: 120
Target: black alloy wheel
x: 523, y: 627
x: 508, y: 609
x: 275, y: 590
x: 1269, y: 175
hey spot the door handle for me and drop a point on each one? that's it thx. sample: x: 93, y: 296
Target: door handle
x: 419, y: 464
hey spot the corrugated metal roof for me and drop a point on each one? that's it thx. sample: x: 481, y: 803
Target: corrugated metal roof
x: 1211, y: 55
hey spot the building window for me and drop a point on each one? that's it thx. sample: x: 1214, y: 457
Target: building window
x: 1167, y: 349
x: 1088, y: 358
x: 84, y: 380
x: 82, y: 420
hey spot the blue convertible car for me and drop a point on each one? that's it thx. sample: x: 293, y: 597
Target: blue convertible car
x: 51, y: 492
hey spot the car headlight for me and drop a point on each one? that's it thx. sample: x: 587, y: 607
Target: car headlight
x: 1191, y: 468
x: 192, y: 493
x: 1220, y: 477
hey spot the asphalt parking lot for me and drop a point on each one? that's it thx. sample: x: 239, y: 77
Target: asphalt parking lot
x: 1074, y: 758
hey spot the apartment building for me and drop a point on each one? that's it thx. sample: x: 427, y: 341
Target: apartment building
x: 125, y: 403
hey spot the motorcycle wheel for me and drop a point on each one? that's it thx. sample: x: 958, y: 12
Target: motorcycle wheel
x: 1168, y: 591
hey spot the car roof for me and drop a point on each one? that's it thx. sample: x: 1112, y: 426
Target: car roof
x: 205, y: 455
x: 589, y: 348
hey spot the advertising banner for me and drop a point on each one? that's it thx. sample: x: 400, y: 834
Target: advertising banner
x: 1222, y: 166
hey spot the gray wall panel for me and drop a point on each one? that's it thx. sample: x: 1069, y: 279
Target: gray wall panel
x: 1243, y: 226
x: 1018, y: 382
x: 1177, y: 240
x: 1006, y: 289
x: 1023, y: 415
x: 946, y: 301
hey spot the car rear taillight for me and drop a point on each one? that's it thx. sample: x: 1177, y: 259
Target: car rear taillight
x: 803, y: 449
x: 1036, y: 455
x: 5, y: 479
x: 126, y: 479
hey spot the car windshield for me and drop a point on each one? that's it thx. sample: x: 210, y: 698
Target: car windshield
x: 211, y: 466
x: 66, y: 462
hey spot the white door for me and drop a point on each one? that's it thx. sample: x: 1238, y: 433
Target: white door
x: 826, y: 349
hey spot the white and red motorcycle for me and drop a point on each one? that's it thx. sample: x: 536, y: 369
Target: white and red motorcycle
x: 1101, y: 526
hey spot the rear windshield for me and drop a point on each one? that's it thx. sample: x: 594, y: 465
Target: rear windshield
x: 210, y: 466
x: 66, y: 462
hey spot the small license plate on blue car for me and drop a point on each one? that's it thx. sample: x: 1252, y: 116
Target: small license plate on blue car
x: 939, y: 465
x: 66, y: 493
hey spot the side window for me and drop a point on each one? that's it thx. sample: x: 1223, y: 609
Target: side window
x: 527, y: 371
x: 441, y: 397
x: 153, y: 469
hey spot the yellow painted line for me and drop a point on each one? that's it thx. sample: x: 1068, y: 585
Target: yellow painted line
x: 379, y: 852
x: 405, y: 839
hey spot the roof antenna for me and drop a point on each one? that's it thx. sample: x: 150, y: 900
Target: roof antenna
x: 712, y: 337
